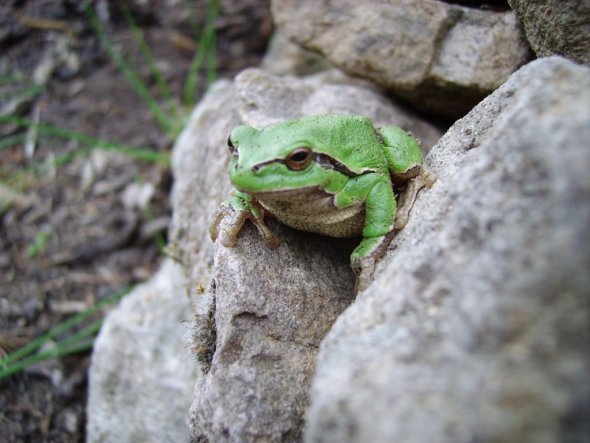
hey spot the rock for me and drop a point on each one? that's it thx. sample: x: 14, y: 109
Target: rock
x: 141, y: 374
x: 286, y: 58
x: 476, y: 327
x: 199, y: 164
x: 556, y: 27
x: 269, y: 309
x: 442, y: 58
x: 266, y: 99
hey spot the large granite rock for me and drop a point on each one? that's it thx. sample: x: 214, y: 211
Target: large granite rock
x: 269, y: 309
x: 556, y: 27
x: 265, y: 99
x: 141, y: 374
x: 477, y: 326
x: 287, y: 58
x: 439, y: 56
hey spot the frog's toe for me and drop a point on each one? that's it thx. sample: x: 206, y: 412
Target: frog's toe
x: 271, y: 240
x: 429, y: 177
x: 227, y: 224
x: 227, y: 240
x: 365, y: 257
x: 364, y: 269
x: 217, y: 219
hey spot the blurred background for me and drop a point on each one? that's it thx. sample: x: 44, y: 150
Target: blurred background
x: 92, y: 97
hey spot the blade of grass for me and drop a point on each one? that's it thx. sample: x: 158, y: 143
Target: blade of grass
x: 149, y: 213
x: 60, y: 348
x: 51, y: 353
x: 95, y: 143
x: 26, y: 92
x: 39, y: 244
x: 212, y: 49
x: 81, y: 334
x: 12, y: 140
x: 148, y: 56
x: 11, y: 78
x: 62, y: 327
x: 192, y: 18
x: 130, y: 75
x: 211, y: 75
x: 206, y: 40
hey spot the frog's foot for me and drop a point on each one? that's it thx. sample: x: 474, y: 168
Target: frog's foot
x: 424, y: 179
x: 271, y: 240
x: 227, y: 224
x: 229, y: 220
x: 365, y: 257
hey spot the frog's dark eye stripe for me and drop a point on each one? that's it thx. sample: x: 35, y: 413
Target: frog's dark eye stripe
x: 297, y: 160
x: 300, y: 158
x: 327, y: 162
x: 230, y: 145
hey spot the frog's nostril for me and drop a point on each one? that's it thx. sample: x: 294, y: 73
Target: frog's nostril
x: 255, y: 168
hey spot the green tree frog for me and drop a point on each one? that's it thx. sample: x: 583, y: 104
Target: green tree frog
x: 330, y: 174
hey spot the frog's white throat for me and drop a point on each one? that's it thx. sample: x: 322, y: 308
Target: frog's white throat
x: 312, y: 209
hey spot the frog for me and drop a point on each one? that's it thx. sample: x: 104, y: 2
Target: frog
x: 334, y: 175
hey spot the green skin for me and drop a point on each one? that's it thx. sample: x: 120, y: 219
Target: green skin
x: 340, y: 185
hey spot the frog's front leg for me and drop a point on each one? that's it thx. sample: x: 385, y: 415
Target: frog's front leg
x: 380, y: 209
x: 231, y: 216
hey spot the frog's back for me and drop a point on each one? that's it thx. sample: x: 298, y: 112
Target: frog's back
x: 400, y: 148
x: 348, y: 139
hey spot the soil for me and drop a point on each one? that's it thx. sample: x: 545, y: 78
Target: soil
x: 78, y: 225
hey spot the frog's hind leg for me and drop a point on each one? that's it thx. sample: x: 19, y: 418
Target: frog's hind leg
x: 404, y: 161
x: 424, y: 178
x: 380, y: 209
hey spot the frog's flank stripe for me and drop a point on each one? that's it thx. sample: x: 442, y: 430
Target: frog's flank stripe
x: 325, y: 161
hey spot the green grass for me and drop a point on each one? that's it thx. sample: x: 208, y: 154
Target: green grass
x: 161, y: 242
x: 11, y: 140
x: 66, y: 341
x: 206, y: 54
x: 132, y: 76
x: 149, y: 58
x: 24, y: 92
x: 94, y: 143
x: 39, y: 244
x: 76, y: 334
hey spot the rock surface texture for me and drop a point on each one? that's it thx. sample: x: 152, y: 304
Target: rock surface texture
x: 439, y: 56
x: 269, y: 309
x: 556, y: 27
x: 141, y: 373
x: 477, y: 325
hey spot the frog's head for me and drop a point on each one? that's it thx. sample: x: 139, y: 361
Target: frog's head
x: 279, y: 158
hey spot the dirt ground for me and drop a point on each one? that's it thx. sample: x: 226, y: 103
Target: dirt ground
x: 76, y: 229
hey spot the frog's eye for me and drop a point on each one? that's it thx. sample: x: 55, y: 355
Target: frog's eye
x: 230, y: 145
x: 299, y: 159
